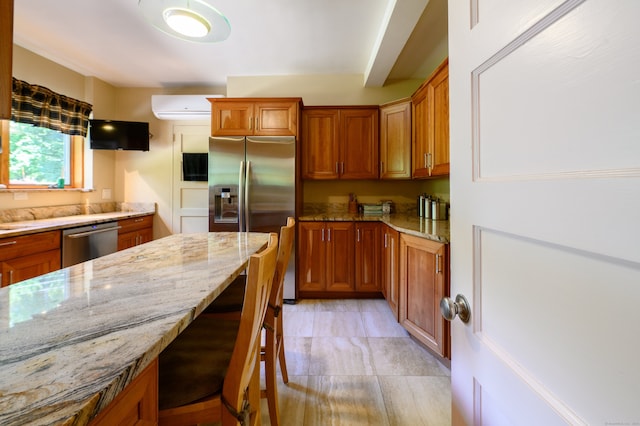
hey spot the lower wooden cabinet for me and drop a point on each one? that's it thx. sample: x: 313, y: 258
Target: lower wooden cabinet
x: 391, y: 268
x: 368, y: 257
x: 342, y: 258
x: 28, y: 256
x: 424, y: 280
x: 326, y: 256
x: 135, y: 231
x: 137, y: 404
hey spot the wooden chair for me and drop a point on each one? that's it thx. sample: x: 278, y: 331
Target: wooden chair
x: 226, y: 306
x: 210, y: 372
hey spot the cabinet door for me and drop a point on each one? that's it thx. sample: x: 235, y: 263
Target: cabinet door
x: 423, y: 279
x: 419, y: 131
x: 430, y: 125
x: 395, y: 140
x: 340, y: 257
x: 359, y: 143
x: 390, y: 268
x: 367, y: 256
x: 276, y: 118
x: 145, y: 235
x: 25, y: 267
x: 438, y: 95
x: 320, y: 150
x: 231, y: 118
x: 312, y: 254
x: 127, y: 240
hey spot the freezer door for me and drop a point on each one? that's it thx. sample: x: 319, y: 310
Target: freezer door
x: 270, y: 182
x: 226, y: 183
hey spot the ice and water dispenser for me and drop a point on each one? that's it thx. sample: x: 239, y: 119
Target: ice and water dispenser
x: 226, y: 203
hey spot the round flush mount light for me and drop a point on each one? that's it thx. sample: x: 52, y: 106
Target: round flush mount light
x: 192, y: 20
x: 186, y: 22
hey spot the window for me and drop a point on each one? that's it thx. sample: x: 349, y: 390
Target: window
x: 36, y: 157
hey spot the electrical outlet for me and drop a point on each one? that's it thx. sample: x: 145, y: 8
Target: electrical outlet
x: 20, y: 196
x: 106, y: 194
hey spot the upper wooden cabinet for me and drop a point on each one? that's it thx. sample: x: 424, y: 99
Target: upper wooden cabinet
x: 430, y: 126
x: 395, y: 140
x: 254, y: 116
x: 340, y: 143
x: 6, y: 56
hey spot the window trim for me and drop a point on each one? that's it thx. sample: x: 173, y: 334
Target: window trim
x: 76, y: 158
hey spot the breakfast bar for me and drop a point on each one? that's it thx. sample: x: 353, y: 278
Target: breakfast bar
x: 73, y: 339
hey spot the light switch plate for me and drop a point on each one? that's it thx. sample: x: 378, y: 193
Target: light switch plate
x: 106, y: 194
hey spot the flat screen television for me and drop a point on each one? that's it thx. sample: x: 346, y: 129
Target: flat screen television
x: 114, y: 134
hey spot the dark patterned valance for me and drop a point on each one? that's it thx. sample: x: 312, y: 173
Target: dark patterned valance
x: 42, y: 107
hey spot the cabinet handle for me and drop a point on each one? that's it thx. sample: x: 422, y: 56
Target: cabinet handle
x: 250, y: 123
x: 385, y: 240
x: 341, y: 168
x: 11, y: 277
x: 329, y: 234
x: 425, y: 160
x: 337, y: 169
x: 257, y: 123
x: 322, y: 234
x: 381, y: 168
x: 8, y: 243
x: 138, y: 220
x: 358, y: 234
x: 438, y: 268
x: 429, y: 160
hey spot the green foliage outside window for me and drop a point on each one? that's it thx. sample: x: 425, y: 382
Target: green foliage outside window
x: 38, y: 156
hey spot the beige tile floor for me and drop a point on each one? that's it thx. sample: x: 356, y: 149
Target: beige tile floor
x: 351, y: 363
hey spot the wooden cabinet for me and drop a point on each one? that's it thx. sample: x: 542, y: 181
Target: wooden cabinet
x: 326, y: 256
x: 340, y: 143
x: 390, y: 268
x: 28, y: 256
x: 424, y: 281
x: 6, y: 57
x: 135, y: 231
x: 368, y: 256
x: 342, y: 258
x: 254, y: 116
x: 395, y: 140
x: 137, y: 404
x: 430, y: 125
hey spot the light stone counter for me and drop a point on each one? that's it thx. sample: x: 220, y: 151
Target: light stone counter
x: 72, y: 339
x: 436, y: 230
x: 18, y: 222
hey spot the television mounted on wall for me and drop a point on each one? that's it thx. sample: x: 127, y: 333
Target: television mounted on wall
x: 119, y: 135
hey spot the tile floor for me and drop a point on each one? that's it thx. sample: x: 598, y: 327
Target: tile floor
x: 351, y: 363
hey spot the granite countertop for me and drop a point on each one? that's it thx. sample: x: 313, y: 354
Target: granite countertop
x: 72, y: 339
x: 436, y: 230
x: 19, y: 222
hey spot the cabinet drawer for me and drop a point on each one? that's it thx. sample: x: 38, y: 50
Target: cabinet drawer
x: 134, y: 224
x: 13, y: 247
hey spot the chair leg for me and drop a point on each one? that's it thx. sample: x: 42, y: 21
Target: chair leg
x: 254, y: 394
x: 280, y: 351
x: 270, y: 377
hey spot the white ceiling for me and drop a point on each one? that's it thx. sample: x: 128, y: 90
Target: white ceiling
x: 110, y: 39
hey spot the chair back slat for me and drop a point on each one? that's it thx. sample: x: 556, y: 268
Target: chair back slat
x: 246, y: 350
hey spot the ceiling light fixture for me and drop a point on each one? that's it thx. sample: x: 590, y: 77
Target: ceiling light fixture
x: 193, y: 20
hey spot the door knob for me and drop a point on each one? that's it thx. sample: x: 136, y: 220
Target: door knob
x: 460, y: 307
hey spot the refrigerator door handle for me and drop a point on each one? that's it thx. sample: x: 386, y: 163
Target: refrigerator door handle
x: 247, y: 182
x: 241, y: 188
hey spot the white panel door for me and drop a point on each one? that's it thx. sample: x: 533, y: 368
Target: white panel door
x: 545, y: 211
x: 190, y: 198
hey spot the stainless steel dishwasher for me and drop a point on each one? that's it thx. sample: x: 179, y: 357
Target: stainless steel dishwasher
x: 88, y: 242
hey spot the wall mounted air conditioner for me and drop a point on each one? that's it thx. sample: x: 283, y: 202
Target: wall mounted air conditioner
x: 182, y: 107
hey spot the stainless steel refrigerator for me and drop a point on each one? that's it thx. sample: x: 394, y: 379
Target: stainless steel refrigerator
x: 252, y: 187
